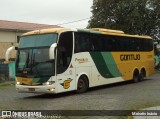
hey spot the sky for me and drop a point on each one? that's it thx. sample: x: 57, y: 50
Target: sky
x: 53, y: 12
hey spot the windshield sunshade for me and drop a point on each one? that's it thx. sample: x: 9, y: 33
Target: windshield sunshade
x: 40, y: 40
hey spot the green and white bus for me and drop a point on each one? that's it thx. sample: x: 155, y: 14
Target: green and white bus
x: 62, y: 59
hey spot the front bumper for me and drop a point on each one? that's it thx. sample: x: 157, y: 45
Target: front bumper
x: 36, y: 89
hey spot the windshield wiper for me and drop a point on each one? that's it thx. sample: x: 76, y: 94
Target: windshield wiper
x: 26, y: 63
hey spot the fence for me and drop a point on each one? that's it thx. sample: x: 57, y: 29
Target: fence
x: 4, y: 72
x: 7, y: 71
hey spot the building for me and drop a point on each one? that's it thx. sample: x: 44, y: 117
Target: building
x: 10, y: 31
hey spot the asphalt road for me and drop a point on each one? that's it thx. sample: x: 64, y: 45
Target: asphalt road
x: 119, y: 96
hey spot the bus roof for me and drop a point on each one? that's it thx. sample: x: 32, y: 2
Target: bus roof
x: 42, y: 31
x: 92, y: 30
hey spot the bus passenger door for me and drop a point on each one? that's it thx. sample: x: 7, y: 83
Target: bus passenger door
x: 65, y: 71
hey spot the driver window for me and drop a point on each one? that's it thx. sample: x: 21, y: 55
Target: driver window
x: 64, y: 51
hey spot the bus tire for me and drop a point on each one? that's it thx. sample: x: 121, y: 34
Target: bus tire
x: 82, y: 84
x: 136, y: 76
x: 142, y: 74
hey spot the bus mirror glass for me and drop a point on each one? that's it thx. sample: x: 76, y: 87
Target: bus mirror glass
x: 52, y: 51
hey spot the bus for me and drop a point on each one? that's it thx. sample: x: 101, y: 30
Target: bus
x: 64, y: 59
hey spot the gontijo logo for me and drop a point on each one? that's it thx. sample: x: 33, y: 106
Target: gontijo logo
x: 128, y: 57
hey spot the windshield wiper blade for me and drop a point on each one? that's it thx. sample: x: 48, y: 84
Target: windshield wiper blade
x: 26, y: 63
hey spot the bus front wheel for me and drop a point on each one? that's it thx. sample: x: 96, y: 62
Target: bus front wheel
x: 82, y: 84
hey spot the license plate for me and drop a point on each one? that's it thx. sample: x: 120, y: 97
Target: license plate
x: 31, y: 89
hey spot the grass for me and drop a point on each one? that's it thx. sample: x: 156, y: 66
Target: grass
x: 6, y: 83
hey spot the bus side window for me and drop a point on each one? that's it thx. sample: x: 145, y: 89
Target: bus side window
x: 96, y: 42
x: 82, y: 42
x: 137, y: 41
x: 77, y: 45
x: 110, y: 44
x: 150, y: 44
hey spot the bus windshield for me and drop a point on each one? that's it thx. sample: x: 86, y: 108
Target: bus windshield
x: 33, y: 56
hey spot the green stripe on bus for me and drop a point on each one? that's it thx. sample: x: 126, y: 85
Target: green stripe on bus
x: 100, y: 64
x: 105, y: 64
x: 111, y: 65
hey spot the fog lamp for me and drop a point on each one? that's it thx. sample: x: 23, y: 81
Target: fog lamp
x: 18, y: 83
x: 52, y: 89
x: 49, y: 83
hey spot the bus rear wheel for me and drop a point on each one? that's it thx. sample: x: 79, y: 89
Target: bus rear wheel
x: 82, y: 84
x: 142, y: 74
x: 136, y: 76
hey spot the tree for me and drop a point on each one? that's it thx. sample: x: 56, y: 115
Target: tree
x: 132, y: 16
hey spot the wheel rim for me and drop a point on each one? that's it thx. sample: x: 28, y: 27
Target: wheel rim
x: 80, y: 84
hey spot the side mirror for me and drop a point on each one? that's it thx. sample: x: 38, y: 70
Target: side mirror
x: 52, y: 51
x: 7, y: 53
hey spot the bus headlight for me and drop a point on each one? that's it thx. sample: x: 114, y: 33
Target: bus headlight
x: 18, y: 83
x: 49, y: 83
